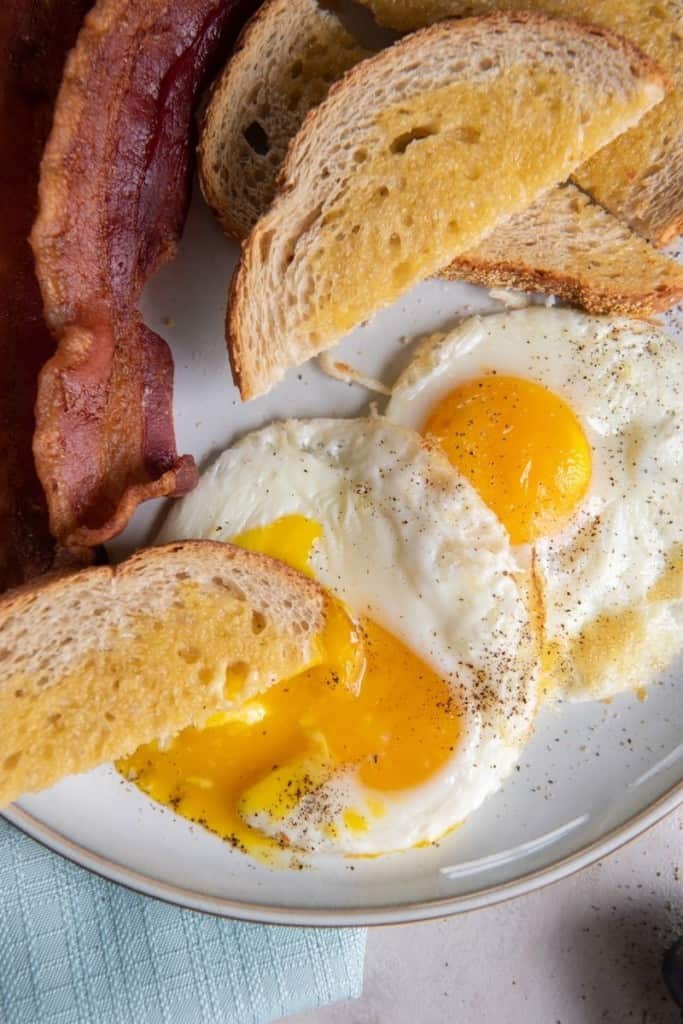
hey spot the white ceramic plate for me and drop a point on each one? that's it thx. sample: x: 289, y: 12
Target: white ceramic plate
x: 594, y: 775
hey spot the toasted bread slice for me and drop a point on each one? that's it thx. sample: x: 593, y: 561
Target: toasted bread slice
x: 638, y: 177
x: 98, y: 662
x: 285, y: 60
x: 366, y: 201
x: 564, y: 244
x: 569, y: 246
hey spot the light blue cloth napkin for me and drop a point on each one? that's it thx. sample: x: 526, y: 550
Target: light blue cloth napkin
x: 75, y: 949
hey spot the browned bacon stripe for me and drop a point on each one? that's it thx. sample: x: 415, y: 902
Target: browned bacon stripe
x: 112, y: 201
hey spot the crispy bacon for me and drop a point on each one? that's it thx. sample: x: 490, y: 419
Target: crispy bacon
x: 113, y: 196
x: 34, y: 41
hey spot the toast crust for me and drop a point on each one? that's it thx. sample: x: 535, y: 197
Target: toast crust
x: 573, y: 290
x: 569, y: 246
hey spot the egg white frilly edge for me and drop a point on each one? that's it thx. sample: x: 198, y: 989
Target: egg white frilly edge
x: 408, y: 543
x: 612, y: 579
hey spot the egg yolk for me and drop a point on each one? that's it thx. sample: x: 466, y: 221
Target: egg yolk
x: 395, y: 730
x: 520, y: 446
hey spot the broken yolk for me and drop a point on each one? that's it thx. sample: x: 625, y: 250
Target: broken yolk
x: 520, y: 446
x: 370, y: 705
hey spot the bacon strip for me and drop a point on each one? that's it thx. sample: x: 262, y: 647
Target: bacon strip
x: 113, y: 196
x: 34, y: 41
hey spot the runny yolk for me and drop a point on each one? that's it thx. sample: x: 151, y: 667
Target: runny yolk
x: 520, y: 446
x: 395, y: 730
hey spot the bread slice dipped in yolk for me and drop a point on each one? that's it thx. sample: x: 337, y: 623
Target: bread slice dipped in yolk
x: 369, y: 703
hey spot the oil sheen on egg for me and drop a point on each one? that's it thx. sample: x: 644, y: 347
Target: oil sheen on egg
x: 569, y: 427
x: 447, y: 691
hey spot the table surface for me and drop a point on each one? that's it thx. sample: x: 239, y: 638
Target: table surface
x: 587, y: 949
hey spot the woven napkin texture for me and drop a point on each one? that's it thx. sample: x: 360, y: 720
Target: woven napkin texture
x: 75, y: 949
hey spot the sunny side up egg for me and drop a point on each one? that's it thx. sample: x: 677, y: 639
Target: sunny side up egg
x: 570, y: 428
x: 448, y: 692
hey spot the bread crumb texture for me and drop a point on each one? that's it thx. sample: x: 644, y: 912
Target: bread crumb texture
x: 638, y: 177
x: 398, y: 172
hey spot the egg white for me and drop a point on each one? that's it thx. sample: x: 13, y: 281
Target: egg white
x: 612, y: 577
x: 408, y: 543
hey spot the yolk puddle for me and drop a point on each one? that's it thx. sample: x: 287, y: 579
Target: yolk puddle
x: 520, y: 446
x: 396, y: 730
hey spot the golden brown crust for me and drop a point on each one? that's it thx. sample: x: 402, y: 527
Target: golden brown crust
x: 56, y: 583
x: 233, y: 328
x: 578, y: 291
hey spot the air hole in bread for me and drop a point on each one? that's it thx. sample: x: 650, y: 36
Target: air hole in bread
x: 12, y: 761
x: 257, y: 137
x: 400, y: 144
x: 485, y: 64
x: 360, y: 156
x: 231, y: 587
x: 296, y: 69
x: 258, y: 623
x: 190, y: 655
x: 395, y: 240
x: 468, y: 134
x: 236, y: 672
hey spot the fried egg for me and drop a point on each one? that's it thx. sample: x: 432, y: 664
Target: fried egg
x: 569, y: 427
x: 447, y: 693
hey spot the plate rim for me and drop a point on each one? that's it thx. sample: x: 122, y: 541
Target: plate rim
x: 326, y: 917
